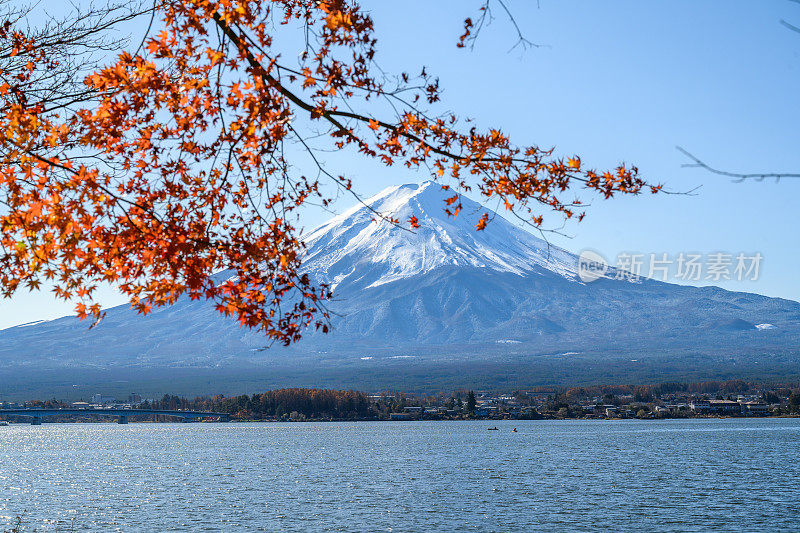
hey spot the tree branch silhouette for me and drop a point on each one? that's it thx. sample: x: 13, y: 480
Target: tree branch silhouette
x: 737, y: 177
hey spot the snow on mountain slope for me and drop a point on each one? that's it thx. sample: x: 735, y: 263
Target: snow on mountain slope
x: 443, y: 287
x: 358, y: 249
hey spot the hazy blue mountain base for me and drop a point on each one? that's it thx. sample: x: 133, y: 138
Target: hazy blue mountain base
x: 440, y: 308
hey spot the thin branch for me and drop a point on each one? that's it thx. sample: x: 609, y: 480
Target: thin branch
x: 790, y: 26
x: 331, y: 116
x: 521, y: 40
x: 485, y: 19
x: 737, y: 177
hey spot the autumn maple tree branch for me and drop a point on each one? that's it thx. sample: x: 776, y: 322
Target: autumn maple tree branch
x: 171, y: 164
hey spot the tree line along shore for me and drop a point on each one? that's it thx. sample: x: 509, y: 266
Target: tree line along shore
x: 666, y: 400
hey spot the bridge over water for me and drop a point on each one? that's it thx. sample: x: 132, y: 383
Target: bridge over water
x: 122, y: 415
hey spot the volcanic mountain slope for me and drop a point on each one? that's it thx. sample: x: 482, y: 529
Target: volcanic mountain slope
x: 443, y: 291
x: 446, y: 283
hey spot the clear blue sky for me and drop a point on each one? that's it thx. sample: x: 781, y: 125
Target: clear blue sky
x: 618, y: 81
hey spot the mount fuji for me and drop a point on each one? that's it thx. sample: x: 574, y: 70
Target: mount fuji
x: 443, y: 304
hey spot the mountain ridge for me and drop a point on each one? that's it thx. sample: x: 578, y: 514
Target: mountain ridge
x: 439, y: 240
x: 443, y: 295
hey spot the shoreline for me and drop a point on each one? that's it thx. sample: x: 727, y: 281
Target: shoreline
x: 352, y: 420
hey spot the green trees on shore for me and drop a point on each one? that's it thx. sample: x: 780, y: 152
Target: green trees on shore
x: 311, y: 403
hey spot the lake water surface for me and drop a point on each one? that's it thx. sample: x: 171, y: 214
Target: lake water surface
x: 688, y: 475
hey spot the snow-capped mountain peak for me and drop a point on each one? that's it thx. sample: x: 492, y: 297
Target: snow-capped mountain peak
x: 358, y: 247
x: 438, y: 299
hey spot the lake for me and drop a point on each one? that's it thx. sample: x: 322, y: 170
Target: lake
x: 672, y: 475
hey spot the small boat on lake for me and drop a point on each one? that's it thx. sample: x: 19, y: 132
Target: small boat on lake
x: 494, y: 429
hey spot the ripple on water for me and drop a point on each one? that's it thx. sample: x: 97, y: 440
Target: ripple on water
x: 690, y: 475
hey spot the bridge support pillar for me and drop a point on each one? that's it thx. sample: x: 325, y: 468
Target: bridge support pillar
x: 122, y: 420
x: 36, y: 421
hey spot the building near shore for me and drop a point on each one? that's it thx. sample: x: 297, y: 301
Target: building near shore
x: 725, y: 407
x: 755, y: 408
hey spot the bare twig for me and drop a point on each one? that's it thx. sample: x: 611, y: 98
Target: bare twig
x: 485, y: 18
x: 521, y: 40
x: 737, y: 177
x: 790, y: 26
